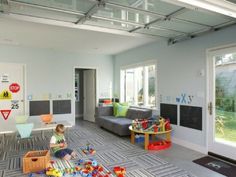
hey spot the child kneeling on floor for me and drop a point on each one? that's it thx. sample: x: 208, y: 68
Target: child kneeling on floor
x: 59, y: 145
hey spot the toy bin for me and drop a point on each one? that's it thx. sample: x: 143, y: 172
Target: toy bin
x: 159, y: 145
x: 139, y: 139
x: 35, y: 161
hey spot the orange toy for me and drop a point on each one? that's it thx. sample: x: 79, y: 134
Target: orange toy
x: 119, y: 171
x: 46, y: 118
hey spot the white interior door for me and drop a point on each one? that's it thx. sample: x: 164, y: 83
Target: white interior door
x: 89, y: 94
x: 11, y: 94
x: 222, y: 102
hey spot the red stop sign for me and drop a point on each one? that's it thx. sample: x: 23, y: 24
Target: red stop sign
x: 14, y: 87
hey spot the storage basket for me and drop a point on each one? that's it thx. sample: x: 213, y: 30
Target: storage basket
x: 35, y: 161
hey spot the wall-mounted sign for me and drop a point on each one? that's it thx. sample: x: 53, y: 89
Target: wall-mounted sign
x: 14, y: 104
x: 14, y: 87
x: 5, y: 114
x: 5, y: 78
x: 5, y: 95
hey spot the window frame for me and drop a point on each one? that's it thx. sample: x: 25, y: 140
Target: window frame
x: 122, y: 83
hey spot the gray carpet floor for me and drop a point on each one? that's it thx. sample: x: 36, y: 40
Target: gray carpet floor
x: 111, y: 150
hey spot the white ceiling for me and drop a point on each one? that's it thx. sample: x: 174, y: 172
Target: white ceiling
x: 30, y: 34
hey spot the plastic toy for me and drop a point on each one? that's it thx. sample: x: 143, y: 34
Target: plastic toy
x: 139, y: 138
x: 159, y: 145
x: 162, y: 124
x: 53, y: 172
x: 167, y: 125
x: 88, y: 150
x: 91, y: 168
x: 151, y: 125
x: 119, y: 171
x: 46, y: 118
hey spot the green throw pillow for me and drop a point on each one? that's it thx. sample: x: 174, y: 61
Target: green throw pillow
x: 115, y: 107
x: 121, y: 111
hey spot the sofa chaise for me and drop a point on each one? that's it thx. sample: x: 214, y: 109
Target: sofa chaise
x: 119, y: 125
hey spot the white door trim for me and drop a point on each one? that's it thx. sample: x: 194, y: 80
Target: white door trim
x: 210, y: 53
x: 96, y: 82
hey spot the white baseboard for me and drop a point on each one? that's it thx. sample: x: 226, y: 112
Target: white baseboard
x: 189, y: 145
x: 79, y: 115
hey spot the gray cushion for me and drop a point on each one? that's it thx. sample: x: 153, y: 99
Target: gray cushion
x: 137, y: 113
x: 119, y: 126
x: 102, y: 120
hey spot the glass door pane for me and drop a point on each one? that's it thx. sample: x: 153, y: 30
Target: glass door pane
x: 151, y: 85
x: 139, y: 84
x: 225, y: 99
x: 130, y: 86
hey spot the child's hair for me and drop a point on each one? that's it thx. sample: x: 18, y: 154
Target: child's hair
x: 60, y: 128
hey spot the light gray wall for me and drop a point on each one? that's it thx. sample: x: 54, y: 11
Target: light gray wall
x: 179, y: 69
x: 51, y: 71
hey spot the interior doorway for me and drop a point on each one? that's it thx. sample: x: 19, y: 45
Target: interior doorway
x: 85, y: 93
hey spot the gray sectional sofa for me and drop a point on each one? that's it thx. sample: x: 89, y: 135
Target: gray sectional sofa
x: 119, y: 125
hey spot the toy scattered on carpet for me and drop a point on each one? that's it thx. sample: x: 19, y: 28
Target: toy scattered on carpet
x: 61, y: 168
x: 151, y: 125
x: 54, y: 172
x: 91, y: 168
x: 84, y: 168
x: 119, y: 171
x: 89, y: 150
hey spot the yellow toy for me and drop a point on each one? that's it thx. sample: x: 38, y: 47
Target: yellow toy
x: 162, y: 124
x: 54, y: 172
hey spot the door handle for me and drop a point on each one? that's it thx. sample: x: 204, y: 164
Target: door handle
x: 210, y: 107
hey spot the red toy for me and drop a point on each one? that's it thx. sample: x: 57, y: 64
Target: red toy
x: 144, y: 124
x: 155, y: 128
x: 119, y: 171
x: 167, y: 125
x: 159, y: 145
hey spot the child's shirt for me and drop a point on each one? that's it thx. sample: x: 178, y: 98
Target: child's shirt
x: 57, y: 139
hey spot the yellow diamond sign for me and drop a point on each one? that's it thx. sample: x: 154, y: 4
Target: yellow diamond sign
x: 5, y: 95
